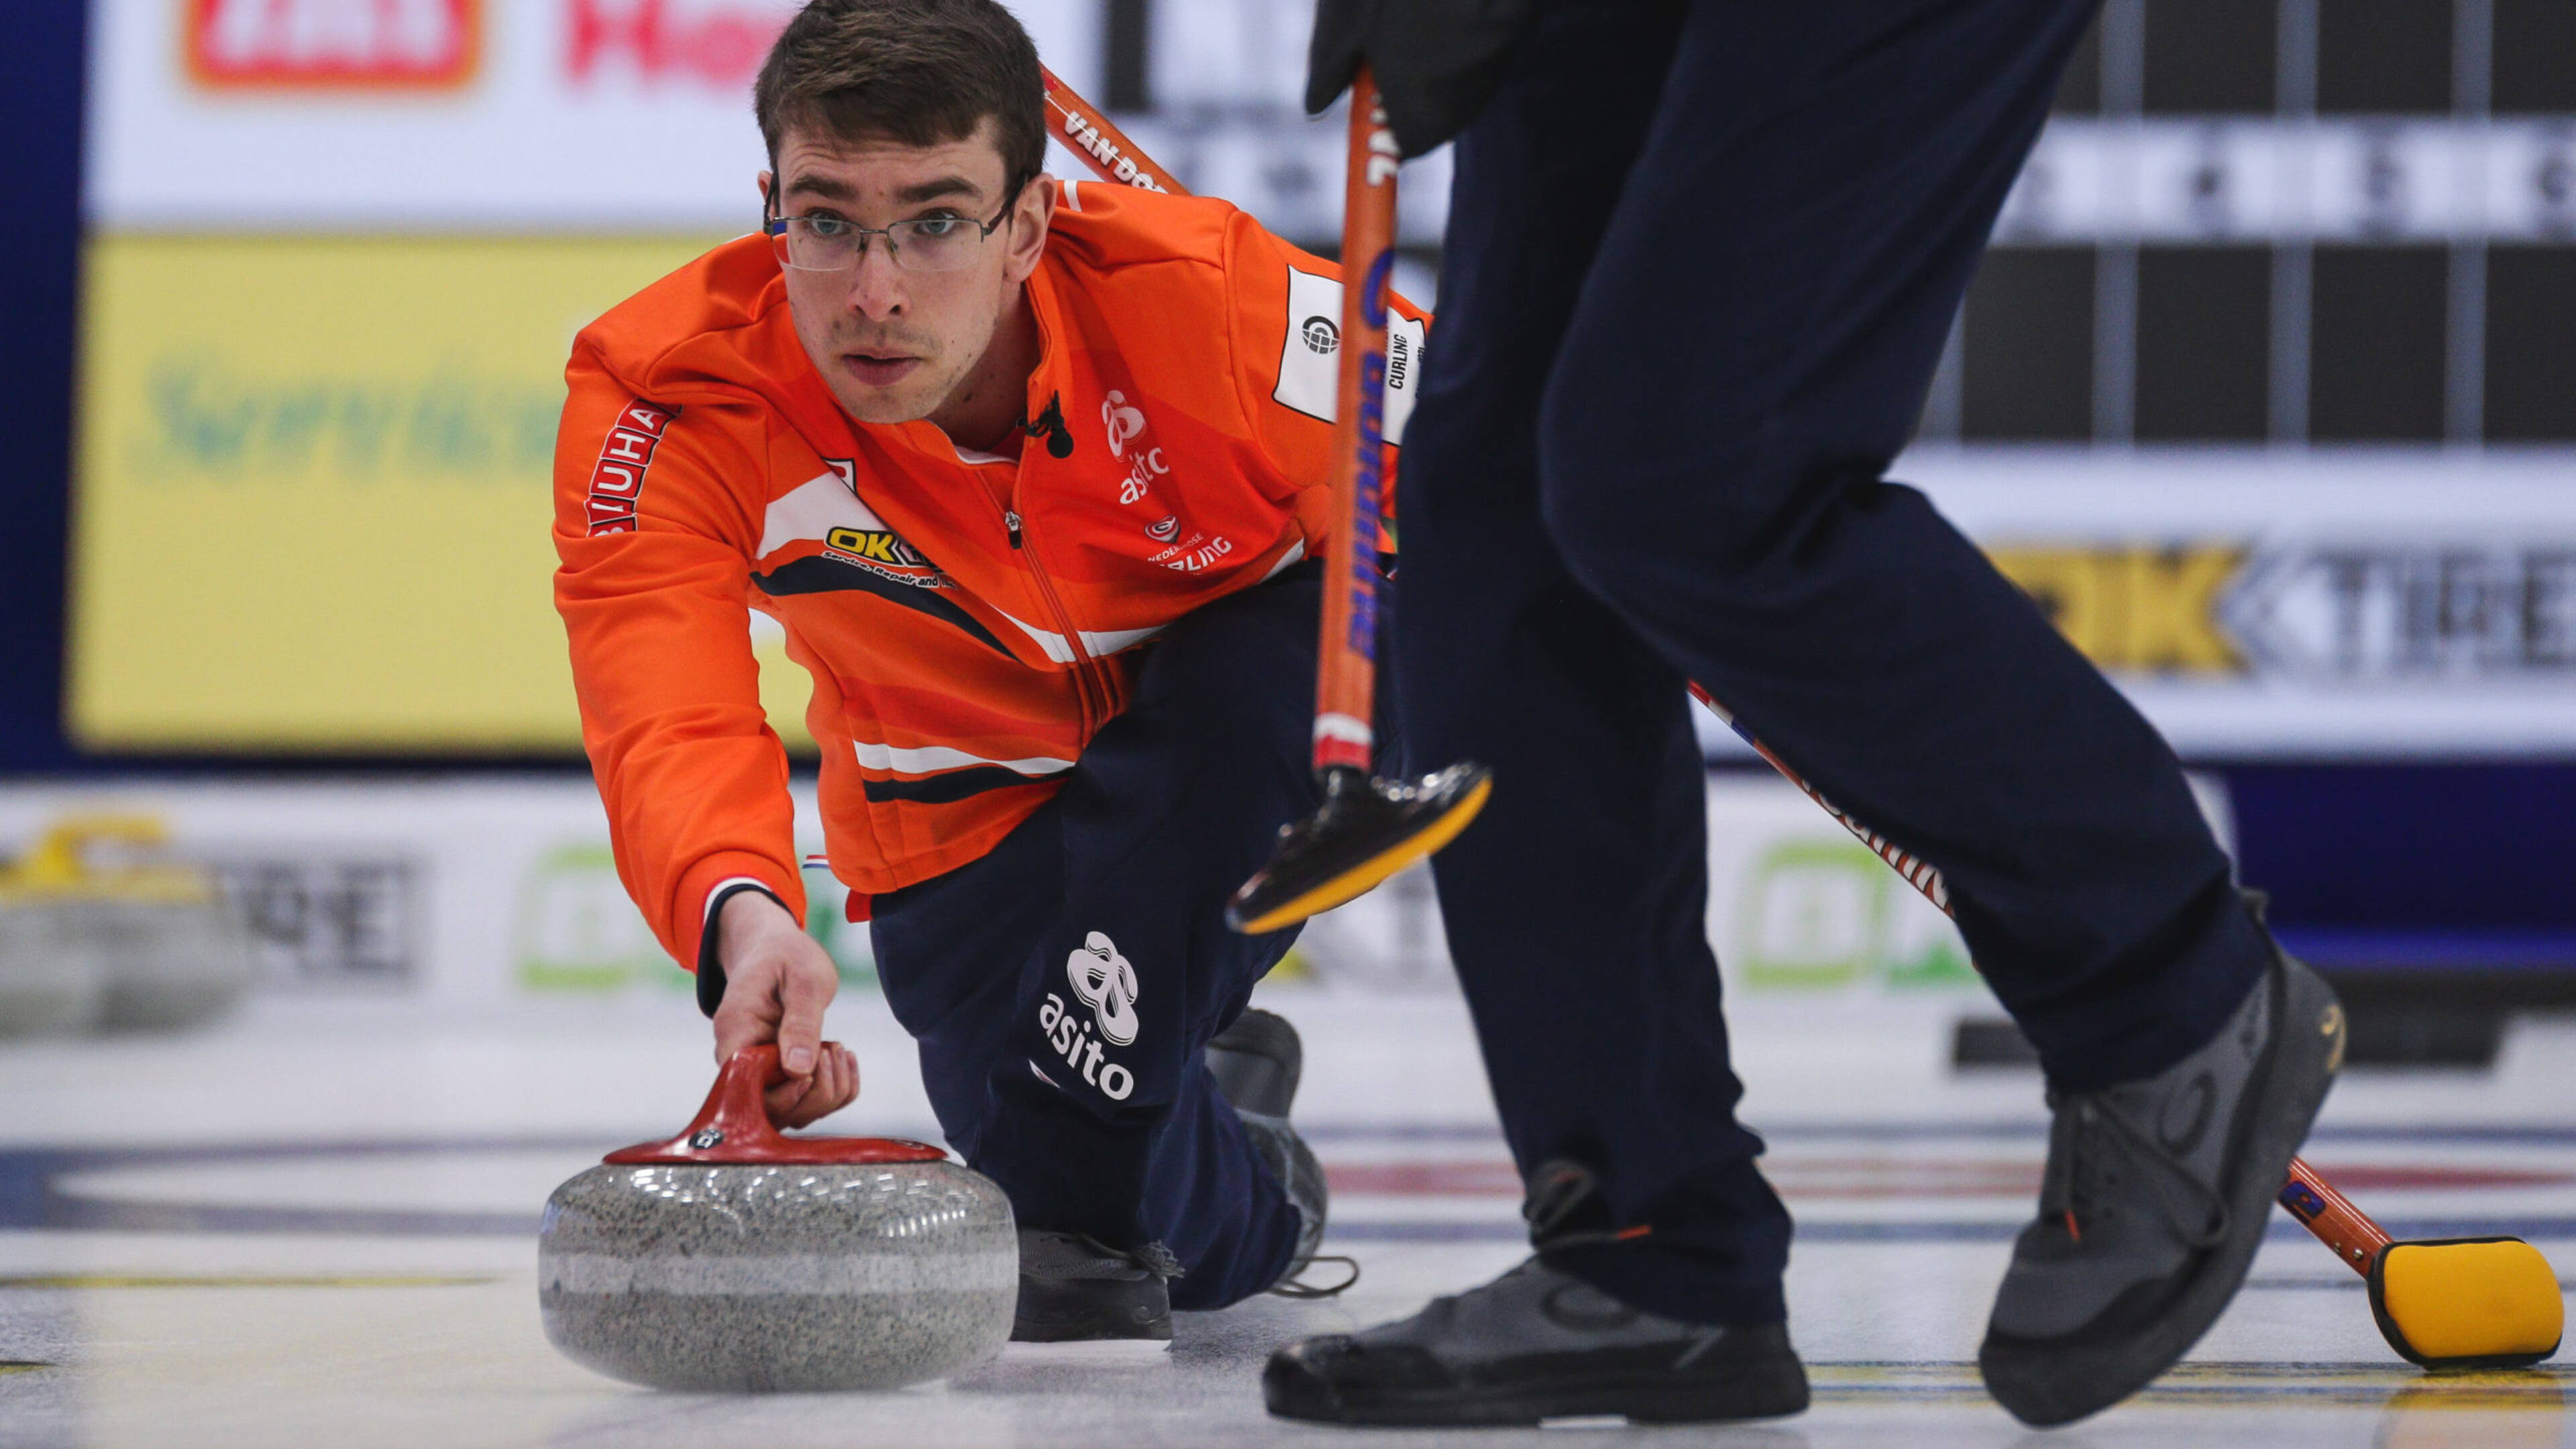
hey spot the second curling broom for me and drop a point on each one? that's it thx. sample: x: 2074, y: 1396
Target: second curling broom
x: 1366, y: 829
x: 2445, y: 1304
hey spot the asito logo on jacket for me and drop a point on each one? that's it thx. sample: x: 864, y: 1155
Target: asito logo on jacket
x: 333, y: 44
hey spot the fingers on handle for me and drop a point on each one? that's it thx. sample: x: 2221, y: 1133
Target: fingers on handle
x: 739, y: 1024
x: 802, y: 997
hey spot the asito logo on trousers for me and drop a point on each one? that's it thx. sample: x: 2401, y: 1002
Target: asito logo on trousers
x: 1104, y: 981
x: 1106, y: 984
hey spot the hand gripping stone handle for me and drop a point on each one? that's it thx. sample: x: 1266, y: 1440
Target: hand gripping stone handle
x: 733, y: 1127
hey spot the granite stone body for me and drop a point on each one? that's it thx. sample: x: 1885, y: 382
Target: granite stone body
x: 169, y: 964
x: 51, y: 982
x: 778, y: 1277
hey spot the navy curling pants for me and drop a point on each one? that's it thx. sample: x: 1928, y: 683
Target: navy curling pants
x: 1701, y: 259
x: 1061, y: 987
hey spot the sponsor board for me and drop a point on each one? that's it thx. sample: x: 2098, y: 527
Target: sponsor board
x: 2315, y: 603
x: 389, y: 114
x: 1796, y: 908
x: 370, y: 113
x: 462, y: 893
x: 327, y: 917
x: 314, y: 492
x: 333, y: 45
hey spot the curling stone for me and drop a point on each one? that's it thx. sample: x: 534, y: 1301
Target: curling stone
x: 170, y: 951
x: 732, y: 1258
x: 50, y: 981
x: 176, y: 955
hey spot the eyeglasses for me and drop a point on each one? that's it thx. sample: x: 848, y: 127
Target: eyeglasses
x: 828, y: 243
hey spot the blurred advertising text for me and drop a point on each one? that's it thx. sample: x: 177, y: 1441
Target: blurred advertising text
x: 313, y: 492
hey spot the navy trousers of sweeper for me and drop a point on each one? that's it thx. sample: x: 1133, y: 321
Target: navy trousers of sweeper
x: 1701, y: 259
x: 1062, y: 987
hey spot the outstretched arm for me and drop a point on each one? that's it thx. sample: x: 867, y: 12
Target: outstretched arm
x: 653, y: 522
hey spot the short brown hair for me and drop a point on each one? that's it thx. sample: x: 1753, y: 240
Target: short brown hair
x: 915, y: 72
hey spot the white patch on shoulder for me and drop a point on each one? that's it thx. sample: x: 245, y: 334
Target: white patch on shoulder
x: 1072, y: 198
x: 1310, y: 357
x: 812, y: 510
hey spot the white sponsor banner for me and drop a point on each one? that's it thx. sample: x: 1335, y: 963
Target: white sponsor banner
x: 2254, y: 178
x: 472, y: 892
x: 438, y: 114
x: 1797, y: 907
x: 463, y: 892
x: 623, y: 114
x: 2319, y: 602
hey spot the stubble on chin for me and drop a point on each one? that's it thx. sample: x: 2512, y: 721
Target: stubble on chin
x: 914, y: 399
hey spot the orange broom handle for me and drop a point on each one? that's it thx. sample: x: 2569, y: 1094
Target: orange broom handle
x: 2307, y: 1195
x: 1346, y: 679
x: 1086, y: 132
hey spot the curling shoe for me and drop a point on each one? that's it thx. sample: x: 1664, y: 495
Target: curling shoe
x: 1257, y: 1062
x: 1536, y: 1344
x: 2156, y: 1195
x: 1074, y: 1290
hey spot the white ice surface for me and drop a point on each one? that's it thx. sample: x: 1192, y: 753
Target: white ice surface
x: 270, y: 1337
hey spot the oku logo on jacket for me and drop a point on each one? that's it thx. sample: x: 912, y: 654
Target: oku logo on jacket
x: 405, y: 45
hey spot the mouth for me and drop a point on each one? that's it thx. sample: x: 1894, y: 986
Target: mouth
x: 878, y: 369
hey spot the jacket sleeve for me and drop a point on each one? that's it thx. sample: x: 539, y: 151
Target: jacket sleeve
x: 1286, y: 310
x: 656, y: 541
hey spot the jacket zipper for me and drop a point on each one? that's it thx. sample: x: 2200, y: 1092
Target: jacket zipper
x: 1084, y: 682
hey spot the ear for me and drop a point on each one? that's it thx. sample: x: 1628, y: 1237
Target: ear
x: 768, y: 180
x: 1031, y: 215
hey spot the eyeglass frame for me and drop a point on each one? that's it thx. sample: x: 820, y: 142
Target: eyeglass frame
x: 775, y: 226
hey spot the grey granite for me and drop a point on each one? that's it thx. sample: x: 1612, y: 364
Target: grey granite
x: 51, y: 980
x: 169, y: 964
x: 778, y: 1278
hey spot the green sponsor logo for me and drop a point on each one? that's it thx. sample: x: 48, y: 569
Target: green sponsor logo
x: 852, y: 951
x: 1822, y: 915
x: 578, y: 932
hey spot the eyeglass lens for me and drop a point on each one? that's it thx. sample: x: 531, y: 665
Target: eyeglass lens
x: 929, y: 244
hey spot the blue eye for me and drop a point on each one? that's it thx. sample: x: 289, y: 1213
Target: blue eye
x: 937, y: 226
x: 827, y: 228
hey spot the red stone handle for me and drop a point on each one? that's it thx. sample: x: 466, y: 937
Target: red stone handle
x: 733, y: 1127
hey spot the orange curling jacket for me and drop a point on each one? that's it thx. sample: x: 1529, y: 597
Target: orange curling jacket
x: 969, y: 621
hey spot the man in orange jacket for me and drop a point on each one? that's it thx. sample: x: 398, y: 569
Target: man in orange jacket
x: 1031, y: 473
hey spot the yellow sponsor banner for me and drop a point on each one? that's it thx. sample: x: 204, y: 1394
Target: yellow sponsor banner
x: 313, y: 491
x: 2147, y: 609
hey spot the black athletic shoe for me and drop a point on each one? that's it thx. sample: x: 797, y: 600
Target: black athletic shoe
x: 1074, y: 1290
x: 1257, y: 1062
x: 2156, y: 1196
x: 1536, y: 1344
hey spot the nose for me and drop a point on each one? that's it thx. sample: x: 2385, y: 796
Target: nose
x: 876, y: 284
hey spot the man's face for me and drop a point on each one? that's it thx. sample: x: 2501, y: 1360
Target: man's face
x: 893, y: 345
